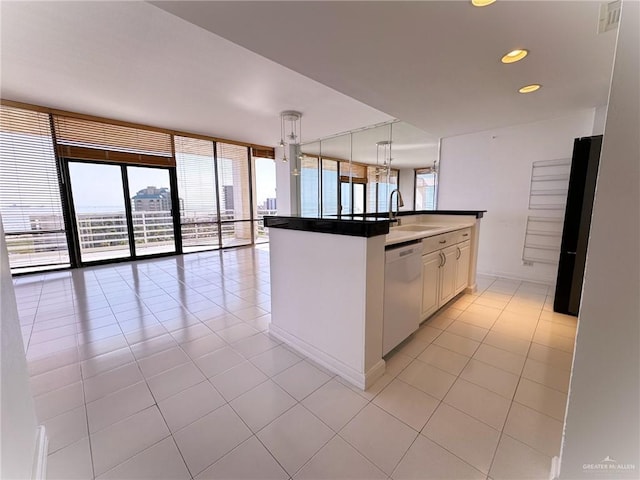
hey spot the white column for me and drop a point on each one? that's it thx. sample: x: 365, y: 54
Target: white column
x: 20, y: 433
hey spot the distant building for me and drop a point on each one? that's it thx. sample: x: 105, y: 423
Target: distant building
x: 270, y: 204
x: 228, y: 197
x: 152, y: 199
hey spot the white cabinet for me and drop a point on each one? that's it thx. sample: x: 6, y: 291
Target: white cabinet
x: 462, y: 265
x: 445, y: 269
x: 448, y: 274
x: 431, y: 264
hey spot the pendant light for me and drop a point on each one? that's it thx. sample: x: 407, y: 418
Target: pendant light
x: 291, y: 122
x: 385, y: 147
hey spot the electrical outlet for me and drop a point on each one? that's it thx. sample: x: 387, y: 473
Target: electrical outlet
x: 527, y: 263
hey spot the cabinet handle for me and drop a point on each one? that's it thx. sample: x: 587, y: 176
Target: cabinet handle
x: 443, y: 241
x: 465, y: 234
x: 444, y: 259
x: 441, y: 260
x: 459, y: 253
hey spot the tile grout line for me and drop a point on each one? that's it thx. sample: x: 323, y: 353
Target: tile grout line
x: 502, y: 433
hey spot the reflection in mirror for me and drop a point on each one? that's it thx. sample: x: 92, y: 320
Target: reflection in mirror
x: 330, y: 172
x: 310, y: 180
x: 354, y: 173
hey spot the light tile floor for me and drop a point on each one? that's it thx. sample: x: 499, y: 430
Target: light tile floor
x: 164, y: 369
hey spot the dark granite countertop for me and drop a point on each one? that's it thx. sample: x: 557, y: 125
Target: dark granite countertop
x: 355, y: 226
x: 367, y: 225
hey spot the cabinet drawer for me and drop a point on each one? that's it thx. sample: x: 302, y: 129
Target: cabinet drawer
x: 437, y: 242
x: 462, y: 235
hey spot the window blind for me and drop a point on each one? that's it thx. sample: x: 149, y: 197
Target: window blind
x: 372, y: 192
x: 30, y: 202
x: 233, y: 178
x: 309, y: 186
x: 234, y: 194
x: 195, y: 169
x: 356, y: 171
x: 425, y: 194
x: 93, y: 140
x: 263, y: 153
x: 329, y: 187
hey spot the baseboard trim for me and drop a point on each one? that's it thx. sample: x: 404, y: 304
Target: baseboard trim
x: 362, y: 380
x: 40, y: 457
x: 511, y: 276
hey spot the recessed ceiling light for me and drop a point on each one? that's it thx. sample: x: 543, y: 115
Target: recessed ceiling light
x: 530, y: 88
x: 514, y: 55
x: 481, y: 3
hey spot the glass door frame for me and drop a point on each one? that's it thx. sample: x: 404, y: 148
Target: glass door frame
x: 72, y: 224
x: 343, y: 180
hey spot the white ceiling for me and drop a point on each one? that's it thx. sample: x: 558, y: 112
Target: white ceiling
x: 434, y: 64
x: 134, y: 62
x: 345, y: 65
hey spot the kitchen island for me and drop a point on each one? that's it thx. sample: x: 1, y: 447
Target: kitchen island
x: 328, y: 282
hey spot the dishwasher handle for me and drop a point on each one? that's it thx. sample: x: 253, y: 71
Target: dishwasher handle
x: 402, y: 252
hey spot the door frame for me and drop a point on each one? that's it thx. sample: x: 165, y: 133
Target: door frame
x: 351, y: 182
x: 72, y: 224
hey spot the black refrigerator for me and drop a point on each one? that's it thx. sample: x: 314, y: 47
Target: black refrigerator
x: 577, y: 222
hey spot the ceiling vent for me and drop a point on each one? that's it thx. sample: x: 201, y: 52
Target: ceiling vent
x: 609, y: 16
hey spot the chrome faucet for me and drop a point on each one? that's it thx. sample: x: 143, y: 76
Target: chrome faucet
x: 392, y: 215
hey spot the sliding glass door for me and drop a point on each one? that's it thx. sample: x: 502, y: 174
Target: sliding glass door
x: 352, y: 197
x: 151, y: 210
x: 100, y: 214
x: 120, y: 211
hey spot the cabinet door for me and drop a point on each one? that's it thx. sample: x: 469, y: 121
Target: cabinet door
x: 448, y: 274
x: 430, y: 279
x: 462, y: 266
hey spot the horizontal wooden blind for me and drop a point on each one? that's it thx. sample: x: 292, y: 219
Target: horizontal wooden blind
x: 81, y: 138
x: 196, y: 179
x: 196, y: 172
x: 353, y: 170
x: 263, y: 153
x: 30, y: 201
x: 233, y: 181
x: 309, y: 186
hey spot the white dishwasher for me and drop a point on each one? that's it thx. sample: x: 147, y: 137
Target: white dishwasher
x: 402, y: 293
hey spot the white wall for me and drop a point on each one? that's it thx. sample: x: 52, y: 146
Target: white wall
x: 326, y: 299
x: 491, y: 170
x: 407, y: 188
x: 599, y: 120
x: 603, y: 416
x: 18, y: 415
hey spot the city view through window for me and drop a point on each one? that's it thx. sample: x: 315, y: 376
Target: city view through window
x: 117, y: 192
x: 104, y: 210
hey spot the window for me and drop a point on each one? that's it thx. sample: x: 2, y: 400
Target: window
x: 234, y: 194
x: 265, y: 195
x: 309, y: 187
x: 379, y: 186
x: 385, y: 186
x: 195, y: 168
x: 162, y: 193
x: 426, y: 185
x: 329, y: 187
x: 353, y: 186
x: 30, y: 201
